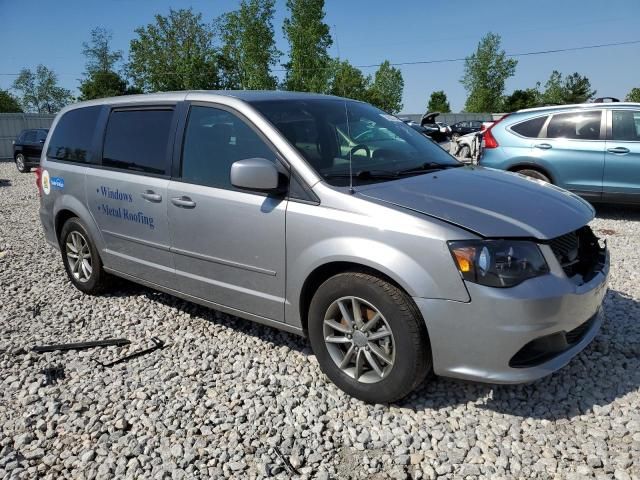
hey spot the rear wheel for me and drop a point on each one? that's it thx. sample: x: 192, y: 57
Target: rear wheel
x: 534, y: 174
x: 81, y: 259
x: 21, y: 164
x: 368, y: 337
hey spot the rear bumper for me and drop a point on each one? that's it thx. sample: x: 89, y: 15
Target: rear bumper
x: 49, y: 229
x: 489, y: 339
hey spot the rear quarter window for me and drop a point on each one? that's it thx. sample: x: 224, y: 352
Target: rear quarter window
x: 72, y: 138
x: 530, y: 128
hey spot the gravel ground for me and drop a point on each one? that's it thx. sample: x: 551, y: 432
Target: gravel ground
x: 226, y: 396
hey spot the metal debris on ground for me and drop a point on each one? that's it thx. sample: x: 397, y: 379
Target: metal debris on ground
x: 117, y: 342
x: 53, y: 374
x: 157, y: 345
x: 287, y: 464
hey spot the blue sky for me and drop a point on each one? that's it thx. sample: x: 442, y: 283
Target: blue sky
x: 365, y: 32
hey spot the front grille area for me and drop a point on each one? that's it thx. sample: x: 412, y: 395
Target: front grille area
x: 579, y: 253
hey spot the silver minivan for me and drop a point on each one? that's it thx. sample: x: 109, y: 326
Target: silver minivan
x: 328, y: 218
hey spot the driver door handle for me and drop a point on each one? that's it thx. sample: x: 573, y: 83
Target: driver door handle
x: 151, y: 196
x: 618, y: 150
x: 183, y: 201
x: 543, y: 146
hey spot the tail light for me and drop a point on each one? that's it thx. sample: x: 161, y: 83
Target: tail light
x: 489, y: 140
x: 38, y: 172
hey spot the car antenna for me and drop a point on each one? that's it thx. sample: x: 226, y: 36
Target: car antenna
x: 346, y: 114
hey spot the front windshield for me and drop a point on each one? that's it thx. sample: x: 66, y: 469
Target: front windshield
x: 379, y: 145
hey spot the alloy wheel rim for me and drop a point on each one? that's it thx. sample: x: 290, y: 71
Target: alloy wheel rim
x: 79, y: 257
x: 359, y: 339
x: 20, y: 162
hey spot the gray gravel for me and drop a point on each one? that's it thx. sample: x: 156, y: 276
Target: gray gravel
x: 225, y: 394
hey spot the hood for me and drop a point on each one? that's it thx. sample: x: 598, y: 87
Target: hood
x: 490, y: 203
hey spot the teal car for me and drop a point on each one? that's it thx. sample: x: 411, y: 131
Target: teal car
x: 590, y: 149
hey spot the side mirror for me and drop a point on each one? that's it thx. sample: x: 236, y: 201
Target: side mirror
x: 257, y: 174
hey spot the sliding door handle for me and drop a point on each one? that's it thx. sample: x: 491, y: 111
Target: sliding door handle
x: 183, y: 201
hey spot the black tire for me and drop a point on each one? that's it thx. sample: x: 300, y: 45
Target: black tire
x: 528, y: 172
x: 98, y: 280
x: 21, y: 164
x: 455, y: 136
x: 465, y: 152
x: 412, y: 352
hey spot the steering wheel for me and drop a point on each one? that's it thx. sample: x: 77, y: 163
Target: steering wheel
x: 360, y: 146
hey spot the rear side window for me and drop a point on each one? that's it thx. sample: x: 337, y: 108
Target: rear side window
x: 214, y: 140
x: 625, y: 126
x: 575, y: 125
x: 138, y: 140
x: 72, y: 137
x: 30, y: 136
x: 530, y: 128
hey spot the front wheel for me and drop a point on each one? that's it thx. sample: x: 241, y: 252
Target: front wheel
x: 21, y: 164
x: 368, y: 337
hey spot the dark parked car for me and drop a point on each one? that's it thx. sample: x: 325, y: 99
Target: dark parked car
x: 465, y: 127
x: 27, y: 148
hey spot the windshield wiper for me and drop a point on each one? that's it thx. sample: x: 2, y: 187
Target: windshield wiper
x: 429, y: 167
x: 364, y: 174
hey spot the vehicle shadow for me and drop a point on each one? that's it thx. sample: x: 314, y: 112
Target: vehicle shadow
x: 617, y: 212
x: 605, y: 371
x: 4, y: 182
x: 278, y: 338
x: 608, y: 369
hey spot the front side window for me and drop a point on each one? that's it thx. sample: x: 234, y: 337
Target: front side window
x: 625, y: 125
x: 214, y: 140
x: 138, y: 140
x: 530, y: 128
x: 379, y: 146
x: 575, y: 125
x: 71, y: 140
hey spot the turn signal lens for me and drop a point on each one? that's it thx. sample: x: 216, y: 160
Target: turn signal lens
x: 464, y: 258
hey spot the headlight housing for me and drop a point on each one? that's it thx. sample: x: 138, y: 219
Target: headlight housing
x: 498, y: 263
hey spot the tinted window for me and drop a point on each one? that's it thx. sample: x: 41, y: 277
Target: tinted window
x: 72, y: 137
x: 575, y: 125
x: 625, y: 125
x: 138, y: 140
x: 530, y: 128
x: 42, y: 135
x: 215, y: 139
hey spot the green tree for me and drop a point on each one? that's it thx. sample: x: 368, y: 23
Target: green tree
x: 9, y: 103
x: 553, y: 90
x: 40, y: 92
x: 349, y: 81
x: 633, y: 95
x: 577, y: 89
x: 100, y: 78
x: 438, y: 102
x: 309, y: 66
x: 175, y: 52
x: 105, y: 84
x: 100, y: 57
x: 485, y: 73
x: 520, y: 99
x: 249, y: 49
x: 387, y: 87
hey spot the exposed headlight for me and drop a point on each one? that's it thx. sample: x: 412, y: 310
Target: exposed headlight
x: 498, y: 263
